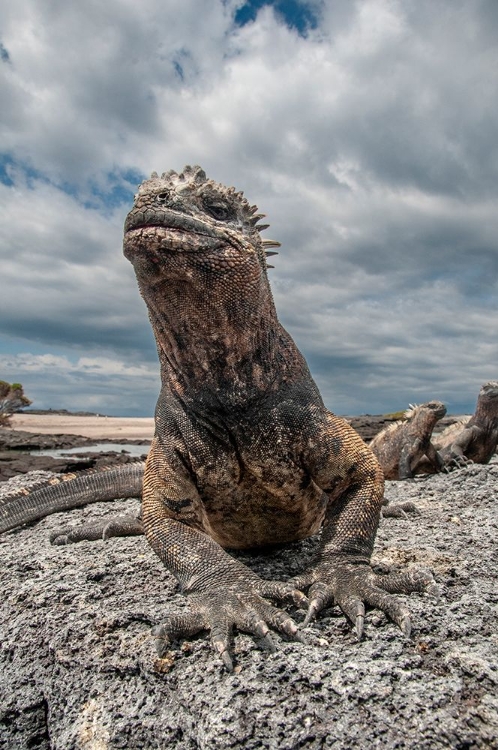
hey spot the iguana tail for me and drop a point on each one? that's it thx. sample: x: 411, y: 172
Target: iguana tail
x: 70, y: 492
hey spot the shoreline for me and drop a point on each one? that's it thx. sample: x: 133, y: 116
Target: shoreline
x: 96, y: 427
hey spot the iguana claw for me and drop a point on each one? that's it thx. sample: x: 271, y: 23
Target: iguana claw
x: 220, y: 612
x: 400, y: 510
x: 351, y: 586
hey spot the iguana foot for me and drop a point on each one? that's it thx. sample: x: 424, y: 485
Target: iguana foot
x: 116, y: 526
x: 459, y: 462
x: 353, y: 585
x: 221, y: 611
x: 400, y: 510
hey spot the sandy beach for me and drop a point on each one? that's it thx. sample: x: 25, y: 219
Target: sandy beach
x: 100, y: 428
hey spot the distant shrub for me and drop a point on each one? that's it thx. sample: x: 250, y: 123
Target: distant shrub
x: 12, y: 399
x: 395, y: 415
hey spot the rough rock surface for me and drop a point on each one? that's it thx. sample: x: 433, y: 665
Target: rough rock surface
x: 78, y: 666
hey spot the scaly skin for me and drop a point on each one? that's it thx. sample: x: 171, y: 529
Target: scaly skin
x: 402, y: 446
x: 68, y: 492
x: 474, y: 441
x: 245, y: 453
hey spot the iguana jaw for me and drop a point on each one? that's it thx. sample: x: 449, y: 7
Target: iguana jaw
x: 154, y: 240
x: 153, y: 216
x: 438, y: 408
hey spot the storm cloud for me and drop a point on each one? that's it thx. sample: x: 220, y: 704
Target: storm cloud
x: 365, y: 131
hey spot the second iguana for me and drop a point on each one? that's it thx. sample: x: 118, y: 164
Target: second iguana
x: 402, y: 446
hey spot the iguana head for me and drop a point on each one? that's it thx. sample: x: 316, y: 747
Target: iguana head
x: 489, y: 391
x: 432, y: 410
x: 188, y: 213
x: 200, y: 263
x: 487, y: 401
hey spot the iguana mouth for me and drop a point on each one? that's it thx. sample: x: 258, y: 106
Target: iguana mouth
x: 165, y: 219
x: 155, y: 239
x: 490, y: 390
x: 440, y: 411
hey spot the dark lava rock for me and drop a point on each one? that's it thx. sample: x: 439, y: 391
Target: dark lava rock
x: 12, y: 463
x: 29, y: 441
x: 15, y: 459
x: 78, y: 667
x: 368, y: 425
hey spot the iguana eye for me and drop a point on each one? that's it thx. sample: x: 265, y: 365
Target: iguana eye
x: 219, y: 211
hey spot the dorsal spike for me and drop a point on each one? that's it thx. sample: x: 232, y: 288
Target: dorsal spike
x: 262, y: 227
x: 271, y: 243
x: 199, y: 174
x: 268, y: 253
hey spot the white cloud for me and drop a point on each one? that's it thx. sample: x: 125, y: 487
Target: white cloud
x: 370, y: 144
x: 86, y: 383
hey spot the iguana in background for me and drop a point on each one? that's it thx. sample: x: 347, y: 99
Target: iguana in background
x: 473, y: 440
x: 245, y: 454
x: 403, y: 445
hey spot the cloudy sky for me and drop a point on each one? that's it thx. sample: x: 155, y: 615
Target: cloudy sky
x: 366, y: 130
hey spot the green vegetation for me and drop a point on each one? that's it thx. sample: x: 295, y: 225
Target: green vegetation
x: 12, y: 399
x: 395, y: 415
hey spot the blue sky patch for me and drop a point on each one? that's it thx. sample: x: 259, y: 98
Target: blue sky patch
x: 296, y: 15
x: 119, y: 189
x: 4, y: 55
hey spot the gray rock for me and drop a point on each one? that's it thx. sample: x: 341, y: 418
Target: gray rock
x: 79, y: 670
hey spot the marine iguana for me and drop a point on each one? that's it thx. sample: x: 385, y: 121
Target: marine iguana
x: 245, y: 453
x: 401, y: 446
x: 473, y: 440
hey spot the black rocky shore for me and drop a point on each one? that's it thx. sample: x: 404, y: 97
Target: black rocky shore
x: 15, y: 456
x: 78, y: 668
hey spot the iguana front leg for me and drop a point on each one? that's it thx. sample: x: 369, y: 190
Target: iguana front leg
x: 435, y: 457
x: 342, y: 572
x: 456, y: 453
x: 223, y: 592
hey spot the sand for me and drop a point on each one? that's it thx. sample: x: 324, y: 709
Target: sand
x: 100, y: 428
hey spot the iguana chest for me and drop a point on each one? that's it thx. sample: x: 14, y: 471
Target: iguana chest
x: 483, y: 445
x: 249, y: 500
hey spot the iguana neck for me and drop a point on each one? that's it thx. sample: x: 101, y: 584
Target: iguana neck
x: 224, y: 342
x: 486, y: 412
